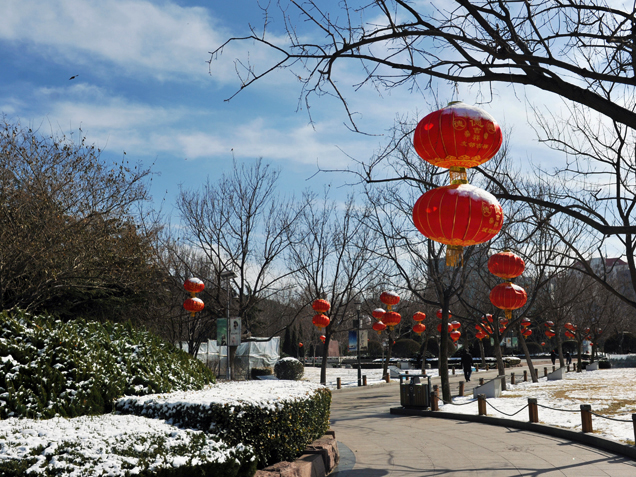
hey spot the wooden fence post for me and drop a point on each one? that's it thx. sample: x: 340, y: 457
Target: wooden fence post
x: 533, y: 410
x: 545, y: 371
x: 481, y: 404
x: 364, y: 379
x: 461, y: 388
x: 512, y: 378
x: 525, y: 375
x: 338, y: 383
x: 586, y: 417
x: 434, y: 403
x: 481, y: 381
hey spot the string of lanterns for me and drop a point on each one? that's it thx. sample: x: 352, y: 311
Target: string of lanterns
x: 458, y: 215
x: 507, y: 296
x: 193, y: 304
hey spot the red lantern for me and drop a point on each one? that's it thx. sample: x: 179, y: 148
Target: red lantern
x: 300, y: 345
x: 378, y: 313
x: 506, y: 265
x: 323, y: 338
x: 419, y: 316
x: 549, y: 324
x: 488, y: 318
x: 569, y: 334
x: 194, y: 285
x: 526, y: 332
x: 502, y: 331
x: 320, y: 321
x: 480, y: 335
x: 379, y: 327
x: 586, y: 331
x: 389, y: 298
x: 439, y: 314
x: 543, y: 343
x: 458, y: 216
x: 458, y: 135
x: 419, y: 328
x: 503, y: 321
x: 321, y: 306
x: 455, y: 335
x: 508, y: 296
x: 568, y: 326
x: 391, y: 319
x: 550, y: 333
x: 526, y: 322
x: 449, y: 328
x: 193, y: 305
x: 456, y: 325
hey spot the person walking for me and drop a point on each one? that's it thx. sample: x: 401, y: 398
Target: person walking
x: 467, y: 364
x: 568, y: 358
x: 553, y: 357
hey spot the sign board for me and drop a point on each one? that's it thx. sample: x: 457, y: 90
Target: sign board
x: 353, y: 342
x: 364, y: 339
x: 221, y: 332
x: 235, y: 331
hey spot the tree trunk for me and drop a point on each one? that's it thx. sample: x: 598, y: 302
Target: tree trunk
x: 579, y: 348
x: 385, y: 367
x: 524, y: 346
x: 423, y: 351
x: 443, y: 354
x: 482, y: 351
x: 500, y: 364
x: 325, y: 354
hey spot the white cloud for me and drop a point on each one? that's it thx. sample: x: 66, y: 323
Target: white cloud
x: 164, y: 40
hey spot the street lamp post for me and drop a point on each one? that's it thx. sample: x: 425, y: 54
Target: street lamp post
x: 228, y: 275
x: 358, y: 347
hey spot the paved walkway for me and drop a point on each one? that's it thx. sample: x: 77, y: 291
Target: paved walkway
x: 374, y: 443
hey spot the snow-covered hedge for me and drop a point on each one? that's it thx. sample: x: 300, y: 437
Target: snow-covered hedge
x: 112, y: 445
x: 289, y: 368
x: 277, y: 418
x: 50, y: 368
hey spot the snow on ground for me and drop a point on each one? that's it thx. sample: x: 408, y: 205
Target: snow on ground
x: 349, y: 377
x: 610, y: 392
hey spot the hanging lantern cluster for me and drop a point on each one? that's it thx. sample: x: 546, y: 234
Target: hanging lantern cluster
x: 507, y: 296
x: 419, y: 327
x: 484, y: 328
x: 193, y: 304
x: 458, y: 137
x: 390, y: 299
x: 388, y: 318
x: 320, y: 320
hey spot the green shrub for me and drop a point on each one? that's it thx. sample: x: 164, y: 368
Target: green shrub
x: 375, y: 349
x: 50, y: 368
x: 255, y: 372
x: 289, y: 368
x: 277, y: 431
x: 604, y: 364
x: 405, y: 348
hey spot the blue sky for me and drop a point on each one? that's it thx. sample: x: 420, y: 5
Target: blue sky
x: 143, y: 85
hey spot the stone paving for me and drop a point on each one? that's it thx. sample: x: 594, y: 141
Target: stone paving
x: 374, y: 443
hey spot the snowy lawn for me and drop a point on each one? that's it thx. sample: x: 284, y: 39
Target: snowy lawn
x: 610, y: 392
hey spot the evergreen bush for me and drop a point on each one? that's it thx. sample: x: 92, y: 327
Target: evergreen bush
x: 255, y: 372
x: 50, y: 368
x: 289, y: 368
x: 277, y: 431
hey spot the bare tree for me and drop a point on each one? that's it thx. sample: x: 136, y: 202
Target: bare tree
x: 581, y: 51
x: 241, y: 224
x: 335, y: 260
x: 71, y: 240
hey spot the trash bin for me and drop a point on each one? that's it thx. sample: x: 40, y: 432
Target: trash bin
x: 414, y: 393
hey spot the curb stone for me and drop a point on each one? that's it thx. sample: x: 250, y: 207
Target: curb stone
x: 318, y: 460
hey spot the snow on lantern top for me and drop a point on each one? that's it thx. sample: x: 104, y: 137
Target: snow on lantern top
x: 458, y: 135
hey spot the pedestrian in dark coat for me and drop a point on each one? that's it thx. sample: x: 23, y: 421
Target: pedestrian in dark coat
x: 467, y: 364
x: 568, y: 358
x: 553, y: 357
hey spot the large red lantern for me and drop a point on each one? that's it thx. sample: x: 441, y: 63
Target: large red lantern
x: 419, y: 328
x: 458, y: 216
x: 321, y: 306
x: 455, y: 335
x: 194, y: 286
x: 506, y: 265
x: 378, y: 313
x: 391, y: 319
x: 193, y: 305
x: 390, y: 299
x: 320, y: 321
x: 480, y: 335
x: 456, y: 325
x: 419, y: 316
x: 458, y: 135
x: 379, y: 327
x: 508, y: 297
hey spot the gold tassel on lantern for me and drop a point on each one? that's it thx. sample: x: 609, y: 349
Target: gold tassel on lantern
x: 454, y: 255
x: 458, y: 175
